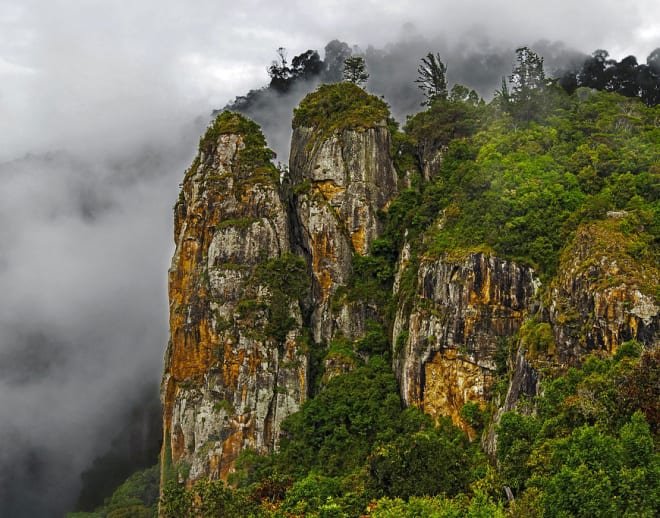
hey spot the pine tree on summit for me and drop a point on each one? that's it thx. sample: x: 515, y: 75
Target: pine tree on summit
x: 528, y: 75
x: 355, y: 70
x: 432, y: 79
x: 528, y: 85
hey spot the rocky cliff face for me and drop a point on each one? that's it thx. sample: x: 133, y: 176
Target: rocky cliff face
x: 446, y: 342
x: 234, y: 366
x: 253, y: 255
x: 340, y: 184
x: 261, y: 265
x: 603, y: 296
x: 455, y: 334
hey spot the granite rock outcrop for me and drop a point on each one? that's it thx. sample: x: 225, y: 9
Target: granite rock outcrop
x: 235, y: 366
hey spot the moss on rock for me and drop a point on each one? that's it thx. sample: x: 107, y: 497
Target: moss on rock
x: 337, y: 107
x: 254, y: 156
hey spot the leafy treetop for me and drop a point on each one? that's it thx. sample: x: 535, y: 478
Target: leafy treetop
x: 304, y: 66
x: 528, y: 86
x: 625, y: 77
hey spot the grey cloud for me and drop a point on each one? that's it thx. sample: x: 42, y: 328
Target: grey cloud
x: 85, y: 246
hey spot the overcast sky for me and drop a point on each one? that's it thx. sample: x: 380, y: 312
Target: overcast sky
x: 116, y: 95
x: 67, y: 66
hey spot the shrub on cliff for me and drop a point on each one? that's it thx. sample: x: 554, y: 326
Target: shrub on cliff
x: 337, y: 107
x: 255, y: 157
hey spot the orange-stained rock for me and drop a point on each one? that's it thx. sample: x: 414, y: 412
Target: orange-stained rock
x: 450, y: 381
x: 329, y: 189
x: 228, y: 383
x: 603, y: 296
x: 351, y: 178
x: 358, y: 240
x: 445, y: 344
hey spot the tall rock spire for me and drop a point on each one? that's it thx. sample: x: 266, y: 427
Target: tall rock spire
x: 342, y: 176
x: 234, y: 367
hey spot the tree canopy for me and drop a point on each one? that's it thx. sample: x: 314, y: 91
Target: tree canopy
x: 304, y: 66
x: 432, y: 79
x: 528, y: 85
x: 626, y: 77
x: 355, y: 70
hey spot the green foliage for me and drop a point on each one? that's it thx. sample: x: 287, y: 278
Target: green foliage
x: 137, y: 497
x: 522, y: 194
x: 529, y: 86
x: 176, y: 501
x: 638, y: 388
x: 375, y: 340
x: 310, y: 494
x: 429, y: 462
x: 169, y: 470
x: 371, y: 278
x: 590, y: 451
x: 594, y: 473
x: 287, y: 274
x: 335, y: 431
x: 141, y: 488
x: 537, y: 339
x: 337, y: 107
x: 303, y: 188
x: 629, y: 349
x: 208, y: 499
x: 215, y: 499
x: 432, y: 78
x: 258, y: 471
x: 223, y: 405
x: 437, y: 507
x: 248, y: 308
x: 474, y: 416
x: 352, y: 443
x: 283, y: 77
x: 403, y: 153
x: 444, y: 121
x: 287, y: 279
x: 626, y: 77
x: 461, y: 93
x: 516, y: 434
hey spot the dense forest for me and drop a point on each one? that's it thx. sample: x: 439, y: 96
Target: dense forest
x: 516, y: 177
